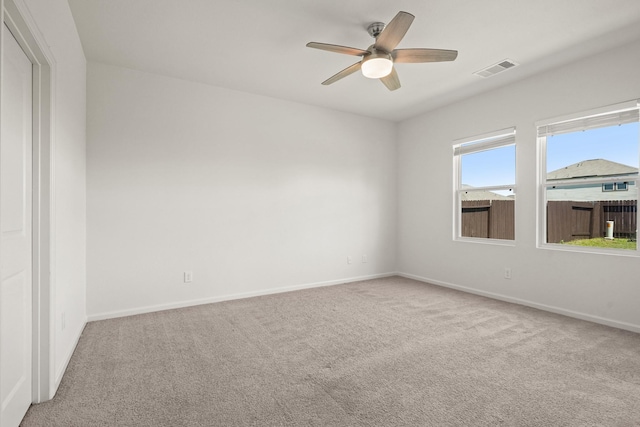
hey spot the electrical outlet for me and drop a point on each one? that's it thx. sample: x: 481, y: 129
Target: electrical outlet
x: 349, y: 260
x: 188, y: 276
x: 507, y: 273
x: 364, y: 258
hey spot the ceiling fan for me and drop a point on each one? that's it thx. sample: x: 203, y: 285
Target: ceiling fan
x: 377, y: 61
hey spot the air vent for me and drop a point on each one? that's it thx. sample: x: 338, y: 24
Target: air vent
x: 496, y: 68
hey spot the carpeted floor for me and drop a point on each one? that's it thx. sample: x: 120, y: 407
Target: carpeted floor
x: 383, y: 352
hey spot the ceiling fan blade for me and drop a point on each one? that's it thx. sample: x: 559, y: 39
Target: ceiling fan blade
x: 423, y: 55
x: 394, y: 32
x: 391, y: 81
x: 344, y: 73
x: 338, y: 49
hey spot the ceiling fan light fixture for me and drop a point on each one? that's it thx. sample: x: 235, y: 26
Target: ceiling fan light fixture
x: 376, y: 65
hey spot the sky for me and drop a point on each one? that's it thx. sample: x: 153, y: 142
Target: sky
x: 497, y: 167
x: 616, y: 143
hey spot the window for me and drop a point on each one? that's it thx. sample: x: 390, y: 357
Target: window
x: 589, y: 177
x: 615, y: 186
x: 485, y: 176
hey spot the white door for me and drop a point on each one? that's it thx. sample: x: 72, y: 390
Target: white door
x: 15, y: 233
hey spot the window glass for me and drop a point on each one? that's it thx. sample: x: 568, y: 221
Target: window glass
x: 573, y: 219
x: 617, y: 144
x: 490, y: 167
x: 590, y: 186
x: 485, y: 187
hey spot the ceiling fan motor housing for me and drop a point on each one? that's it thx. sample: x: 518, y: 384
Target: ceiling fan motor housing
x: 375, y: 29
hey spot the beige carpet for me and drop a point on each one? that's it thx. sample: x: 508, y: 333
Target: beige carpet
x: 382, y: 352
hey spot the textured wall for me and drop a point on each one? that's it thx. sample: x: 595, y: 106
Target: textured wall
x: 55, y: 23
x: 594, y: 286
x: 250, y: 193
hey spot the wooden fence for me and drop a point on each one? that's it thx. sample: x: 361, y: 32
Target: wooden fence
x: 494, y: 219
x: 566, y: 220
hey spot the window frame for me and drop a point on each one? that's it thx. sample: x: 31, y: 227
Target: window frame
x: 487, y: 141
x: 543, y: 185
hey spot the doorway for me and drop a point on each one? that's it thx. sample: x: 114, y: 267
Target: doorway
x: 26, y: 373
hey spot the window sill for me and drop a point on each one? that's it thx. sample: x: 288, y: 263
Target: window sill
x: 589, y: 250
x: 485, y: 241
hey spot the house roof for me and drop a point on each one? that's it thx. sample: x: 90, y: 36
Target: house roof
x: 481, y: 195
x: 592, y: 168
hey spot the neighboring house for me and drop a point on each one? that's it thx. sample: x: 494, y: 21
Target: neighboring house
x: 618, y: 190
x: 481, y: 194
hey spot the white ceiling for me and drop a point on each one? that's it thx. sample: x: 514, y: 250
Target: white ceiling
x: 258, y: 46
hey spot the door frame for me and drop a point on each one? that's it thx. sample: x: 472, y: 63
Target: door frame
x: 16, y: 15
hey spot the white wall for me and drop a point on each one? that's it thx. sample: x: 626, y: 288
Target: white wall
x: 68, y: 271
x: 602, y: 288
x: 252, y: 194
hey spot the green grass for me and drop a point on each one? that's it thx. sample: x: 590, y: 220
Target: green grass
x: 601, y: 242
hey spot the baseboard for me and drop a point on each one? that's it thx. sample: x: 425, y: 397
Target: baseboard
x: 558, y: 310
x: 60, y: 374
x: 189, y: 303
